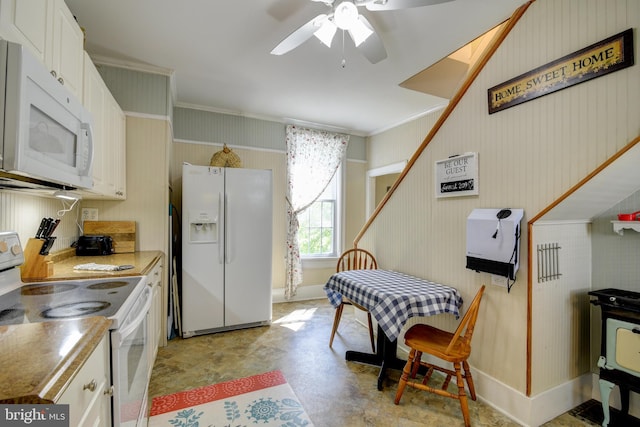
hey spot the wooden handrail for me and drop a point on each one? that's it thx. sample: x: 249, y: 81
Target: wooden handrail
x: 478, y: 66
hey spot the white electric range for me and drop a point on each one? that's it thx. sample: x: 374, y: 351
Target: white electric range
x: 123, y: 300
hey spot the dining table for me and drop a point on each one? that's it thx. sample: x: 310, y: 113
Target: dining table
x: 392, y: 298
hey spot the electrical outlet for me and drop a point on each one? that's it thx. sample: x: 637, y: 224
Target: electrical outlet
x: 498, y: 280
x: 89, y: 214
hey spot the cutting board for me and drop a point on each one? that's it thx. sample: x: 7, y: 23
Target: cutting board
x: 123, y: 233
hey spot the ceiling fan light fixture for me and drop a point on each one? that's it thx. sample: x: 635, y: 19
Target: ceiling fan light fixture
x: 346, y: 15
x: 326, y: 32
x: 359, y: 32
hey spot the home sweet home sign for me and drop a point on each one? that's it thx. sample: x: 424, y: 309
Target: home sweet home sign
x: 599, y: 59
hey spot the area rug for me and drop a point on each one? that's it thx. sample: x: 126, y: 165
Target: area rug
x: 265, y: 400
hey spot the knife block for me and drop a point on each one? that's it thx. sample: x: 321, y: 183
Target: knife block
x: 35, y: 266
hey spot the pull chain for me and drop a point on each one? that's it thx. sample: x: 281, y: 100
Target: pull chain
x: 344, y: 61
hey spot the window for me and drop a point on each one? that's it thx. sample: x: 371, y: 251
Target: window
x: 319, y: 232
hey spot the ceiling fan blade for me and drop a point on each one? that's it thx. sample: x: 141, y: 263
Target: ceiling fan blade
x: 299, y: 36
x: 401, y: 4
x: 372, y: 48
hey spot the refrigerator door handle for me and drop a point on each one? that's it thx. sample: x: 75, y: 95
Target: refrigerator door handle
x: 220, y: 260
x: 226, y: 230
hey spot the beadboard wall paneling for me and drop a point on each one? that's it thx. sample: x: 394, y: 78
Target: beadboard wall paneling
x: 615, y: 262
x: 138, y: 91
x: 529, y: 155
x: 406, y: 140
x: 200, y: 154
x: 206, y: 126
x: 561, y: 307
x: 201, y: 126
x: 22, y: 213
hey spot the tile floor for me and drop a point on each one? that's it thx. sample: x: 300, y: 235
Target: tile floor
x: 333, y: 392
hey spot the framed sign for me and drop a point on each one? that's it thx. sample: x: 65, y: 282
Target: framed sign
x: 457, y: 176
x: 599, y: 59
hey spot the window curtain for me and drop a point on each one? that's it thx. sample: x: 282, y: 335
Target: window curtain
x: 313, y: 157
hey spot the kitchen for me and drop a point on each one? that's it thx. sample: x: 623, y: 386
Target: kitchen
x: 158, y: 135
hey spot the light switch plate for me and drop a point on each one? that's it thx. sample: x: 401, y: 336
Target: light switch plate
x: 499, y: 280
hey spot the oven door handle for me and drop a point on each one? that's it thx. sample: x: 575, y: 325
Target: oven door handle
x: 129, y: 328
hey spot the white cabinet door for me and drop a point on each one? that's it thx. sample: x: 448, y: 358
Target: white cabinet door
x: 65, y: 57
x: 109, y: 137
x: 95, y: 101
x: 88, y: 395
x: 50, y: 31
x: 26, y: 22
x: 118, y: 150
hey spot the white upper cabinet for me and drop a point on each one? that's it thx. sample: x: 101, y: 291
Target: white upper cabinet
x: 50, y: 31
x: 115, y: 149
x: 65, y: 56
x: 109, y: 137
x: 26, y: 22
x: 94, y: 100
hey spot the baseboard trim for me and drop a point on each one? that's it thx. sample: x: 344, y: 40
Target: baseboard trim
x: 536, y: 410
x: 528, y: 411
x: 303, y: 293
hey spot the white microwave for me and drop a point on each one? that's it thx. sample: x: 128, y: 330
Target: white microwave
x: 45, y: 131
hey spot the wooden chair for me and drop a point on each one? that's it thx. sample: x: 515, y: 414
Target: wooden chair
x: 354, y: 259
x: 450, y: 347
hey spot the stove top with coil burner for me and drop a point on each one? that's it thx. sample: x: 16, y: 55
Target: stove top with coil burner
x: 41, y: 302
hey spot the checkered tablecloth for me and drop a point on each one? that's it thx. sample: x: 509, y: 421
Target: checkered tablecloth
x: 393, y: 297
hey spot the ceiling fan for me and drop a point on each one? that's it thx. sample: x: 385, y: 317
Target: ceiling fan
x: 344, y: 15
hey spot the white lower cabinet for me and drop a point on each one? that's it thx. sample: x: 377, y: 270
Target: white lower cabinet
x: 89, y: 394
x: 155, y: 312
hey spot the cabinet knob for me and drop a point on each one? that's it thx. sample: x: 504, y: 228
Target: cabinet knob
x: 91, y: 386
x: 54, y: 74
x: 61, y: 80
x: 109, y: 391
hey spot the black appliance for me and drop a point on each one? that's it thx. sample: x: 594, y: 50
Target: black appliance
x: 94, y: 246
x: 618, y: 362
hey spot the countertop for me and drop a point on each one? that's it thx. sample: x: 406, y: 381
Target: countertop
x: 38, y: 360
x: 142, y: 261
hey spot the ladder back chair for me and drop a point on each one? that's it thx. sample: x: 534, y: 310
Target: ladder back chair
x: 354, y: 259
x: 450, y: 347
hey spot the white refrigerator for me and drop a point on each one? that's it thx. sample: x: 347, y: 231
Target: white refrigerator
x: 226, y: 248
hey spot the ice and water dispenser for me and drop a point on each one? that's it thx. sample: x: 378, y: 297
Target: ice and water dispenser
x: 203, y: 227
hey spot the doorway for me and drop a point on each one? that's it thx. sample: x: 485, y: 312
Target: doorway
x: 379, y: 181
